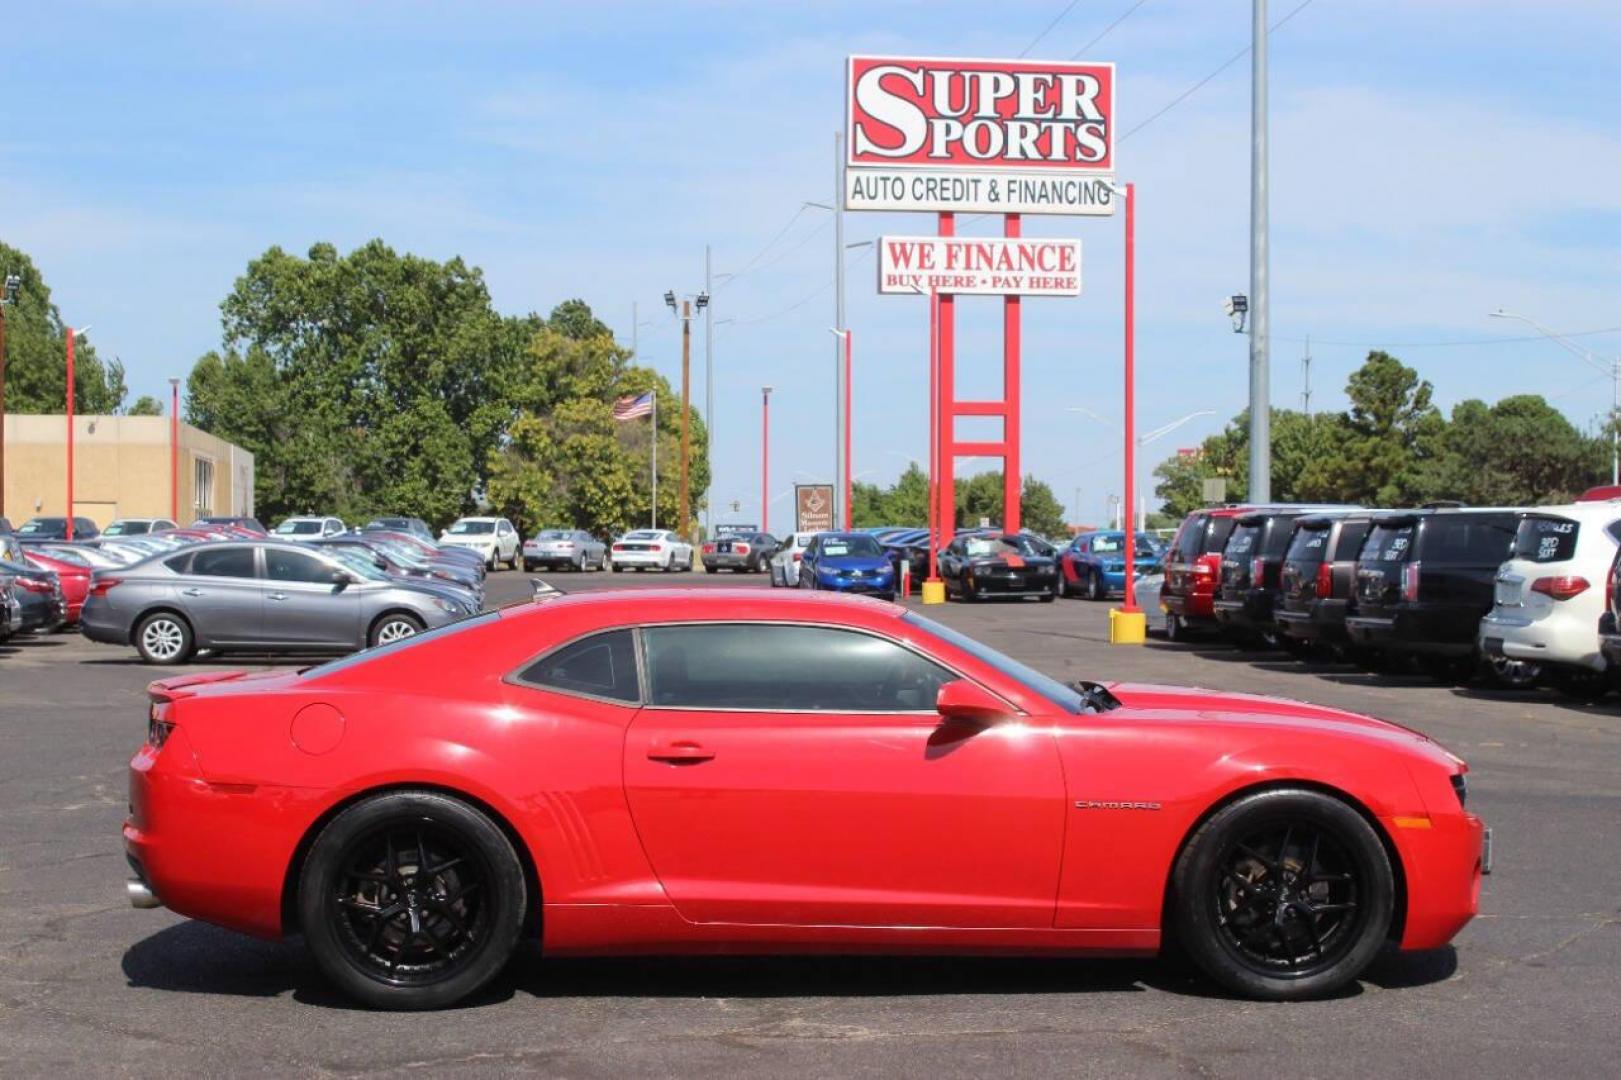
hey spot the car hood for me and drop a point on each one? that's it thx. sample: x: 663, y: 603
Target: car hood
x: 1024, y: 561
x: 1194, y: 705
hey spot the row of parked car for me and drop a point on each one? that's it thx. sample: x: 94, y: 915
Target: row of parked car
x: 1518, y: 595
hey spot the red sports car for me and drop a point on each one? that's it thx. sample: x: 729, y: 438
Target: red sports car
x: 656, y: 771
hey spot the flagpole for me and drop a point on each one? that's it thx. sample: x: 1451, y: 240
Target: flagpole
x: 655, y: 458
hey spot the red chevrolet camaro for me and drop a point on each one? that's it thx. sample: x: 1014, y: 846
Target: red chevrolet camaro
x: 657, y: 771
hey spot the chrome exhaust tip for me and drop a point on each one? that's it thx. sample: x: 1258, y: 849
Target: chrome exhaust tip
x: 141, y: 895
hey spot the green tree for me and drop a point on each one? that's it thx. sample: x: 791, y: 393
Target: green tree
x: 1382, y: 443
x: 36, y: 351
x: 145, y: 405
x: 1039, y: 509
x: 1551, y: 461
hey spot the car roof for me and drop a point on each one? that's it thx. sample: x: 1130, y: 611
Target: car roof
x: 1584, y: 512
x: 704, y: 604
x: 484, y: 517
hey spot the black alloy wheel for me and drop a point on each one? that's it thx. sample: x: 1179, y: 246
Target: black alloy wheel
x: 411, y: 900
x: 1284, y: 894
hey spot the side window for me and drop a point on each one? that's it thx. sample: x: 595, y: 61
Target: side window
x: 236, y: 562
x: 784, y: 668
x: 296, y: 566
x: 602, y: 665
x: 180, y: 564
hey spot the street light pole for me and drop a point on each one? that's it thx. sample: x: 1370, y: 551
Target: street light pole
x: 70, y: 337
x: 1260, y: 489
x: 7, y: 297
x: 709, y: 393
x: 765, y: 458
x: 174, y: 451
x: 1611, y: 367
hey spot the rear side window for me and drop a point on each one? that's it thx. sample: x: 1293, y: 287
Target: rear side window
x: 1546, y: 539
x: 1309, y: 545
x: 180, y: 564
x: 1468, y: 539
x: 223, y: 562
x: 602, y: 666
x: 1352, y: 534
x: 1390, y: 543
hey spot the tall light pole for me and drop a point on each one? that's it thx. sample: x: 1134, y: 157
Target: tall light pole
x: 709, y: 390
x: 1611, y: 367
x: 846, y: 343
x: 842, y: 390
x: 765, y: 458
x: 174, y: 451
x: 71, y: 335
x: 1260, y: 488
x: 685, y: 311
x: 7, y: 298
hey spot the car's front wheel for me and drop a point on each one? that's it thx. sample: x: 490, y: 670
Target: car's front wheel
x: 1284, y: 894
x: 395, y: 627
x: 1095, y: 588
x: 164, y: 638
x: 411, y: 900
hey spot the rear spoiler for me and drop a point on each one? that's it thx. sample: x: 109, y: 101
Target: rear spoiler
x: 183, y: 686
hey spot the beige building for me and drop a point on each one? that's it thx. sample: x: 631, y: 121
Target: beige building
x: 121, y: 468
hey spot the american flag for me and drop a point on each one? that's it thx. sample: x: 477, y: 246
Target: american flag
x: 630, y: 407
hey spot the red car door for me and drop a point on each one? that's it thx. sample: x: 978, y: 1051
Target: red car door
x: 799, y: 775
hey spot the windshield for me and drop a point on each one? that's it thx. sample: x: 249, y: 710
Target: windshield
x: 472, y: 528
x: 1309, y: 545
x: 39, y: 525
x: 554, y: 534
x: 126, y: 528
x: 361, y: 657
x: 401, y: 554
x: 643, y: 534
x: 359, y: 560
x: 1545, y: 539
x: 298, y: 528
x: 850, y: 545
x: 1242, y: 544
x: 991, y: 547
x: 1389, y: 543
x: 1051, y: 689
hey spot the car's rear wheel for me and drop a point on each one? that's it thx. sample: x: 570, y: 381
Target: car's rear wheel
x: 394, y: 627
x: 411, y: 900
x: 1095, y: 588
x: 1579, y: 684
x: 1284, y: 894
x: 1175, y: 629
x: 164, y: 638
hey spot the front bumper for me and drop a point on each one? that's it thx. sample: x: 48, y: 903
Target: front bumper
x: 1444, y: 863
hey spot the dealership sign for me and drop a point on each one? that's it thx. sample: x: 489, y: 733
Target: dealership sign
x: 999, y: 136
x: 979, y: 266
x: 813, y: 507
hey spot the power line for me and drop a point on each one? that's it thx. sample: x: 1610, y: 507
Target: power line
x: 1106, y: 30
x: 1461, y: 342
x: 769, y: 245
x: 807, y: 298
x: 1196, y: 87
x: 1060, y: 17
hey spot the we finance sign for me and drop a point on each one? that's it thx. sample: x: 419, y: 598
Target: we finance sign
x: 985, y: 136
x: 979, y: 267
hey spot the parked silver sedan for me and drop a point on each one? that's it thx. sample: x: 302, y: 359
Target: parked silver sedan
x: 574, y: 548
x: 262, y: 597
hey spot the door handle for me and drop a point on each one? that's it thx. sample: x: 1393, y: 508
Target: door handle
x: 191, y: 592
x: 684, y: 752
x: 277, y: 596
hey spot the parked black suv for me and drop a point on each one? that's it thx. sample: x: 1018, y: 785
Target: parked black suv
x: 1251, y: 563
x: 1319, y: 575
x: 1425, y: 579
x: 1609, y: 623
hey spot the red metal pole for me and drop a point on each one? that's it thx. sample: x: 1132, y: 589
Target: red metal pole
x: 934, y: 417
x: 849, y: 513
x: 1129, y: 517
x: 1012, y: 474
x: 765, y: 459
x: 174, y: 452
x: 948, y: 404
x: 70, y: 433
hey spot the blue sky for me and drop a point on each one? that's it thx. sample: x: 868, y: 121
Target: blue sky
x: 1432, y: 160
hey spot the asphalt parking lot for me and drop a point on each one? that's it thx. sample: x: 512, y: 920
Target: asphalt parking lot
x: 91, y: 986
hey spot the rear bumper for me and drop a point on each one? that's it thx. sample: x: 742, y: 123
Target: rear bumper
x: 1323, y: 620
x: 1252, y: 612
x: 1540, y: 641
x: 729, y: 561
x: 1610, y: 646
x: 1190, y: 607
x: 1402, y: 633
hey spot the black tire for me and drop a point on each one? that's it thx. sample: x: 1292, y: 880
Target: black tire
x: 528, y: 567
x: 394, y: 626
x: 1175, y: 629
x: 1095, y: 588
x: 579, y: 563
x: 1579, y: 684
x: 708, y: 569
x: 450, y: 935
x: 164, y: 638
x: 616, y: 568
x: 1242, y: 916
x: 1048, y: 597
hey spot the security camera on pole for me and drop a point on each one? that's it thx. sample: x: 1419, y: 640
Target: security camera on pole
x: 685, y: 311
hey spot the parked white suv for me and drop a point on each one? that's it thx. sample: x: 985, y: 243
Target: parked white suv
x: 1549, y: 595
x: 492, y: 537
x: 785, y: 563
x: 304, y: 529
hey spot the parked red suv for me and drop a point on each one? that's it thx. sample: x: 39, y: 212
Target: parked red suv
x: 1192, y: 565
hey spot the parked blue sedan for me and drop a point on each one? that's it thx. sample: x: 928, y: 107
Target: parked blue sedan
x: 1094, y: 563
x: 847, y: 562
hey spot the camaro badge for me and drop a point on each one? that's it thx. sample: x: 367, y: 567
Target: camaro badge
x: 1100, y: 804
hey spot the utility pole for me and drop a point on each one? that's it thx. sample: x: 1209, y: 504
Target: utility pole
x: 709, y: 392
x: 839, y: 418
x: 1305, y: 380
x: 765, y: 459
x: 685, y: 311
x: 7, y: 297
x: 1260, y: 489
x: 633, y: 326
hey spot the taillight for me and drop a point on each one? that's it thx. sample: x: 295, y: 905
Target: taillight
x: 1257, y: 571
x: 1325, y: 579
x: 101, y: 585
x: 709, y: 549
x: 1560, y: 588
x: 740, y: 549
x: 1409, y: 582
x: 1202, y: 569
x: 34, y: 585
x: 619, y: 547
x: 157, y: 728
x: 798, y: 555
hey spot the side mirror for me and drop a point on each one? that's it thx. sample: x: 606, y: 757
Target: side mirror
x: 964, y: 702
x: 340, y: 578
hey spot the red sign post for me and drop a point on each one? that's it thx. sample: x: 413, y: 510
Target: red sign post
x: 1009, y: 137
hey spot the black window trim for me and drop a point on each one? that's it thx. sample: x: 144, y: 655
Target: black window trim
x: 641, y: 658
x: 515, y: 677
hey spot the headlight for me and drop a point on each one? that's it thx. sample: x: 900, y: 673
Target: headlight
x: 450, y: 607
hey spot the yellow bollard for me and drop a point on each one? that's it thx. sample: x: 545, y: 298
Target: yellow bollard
x: 1127, y: 627
x: 934, y: 592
